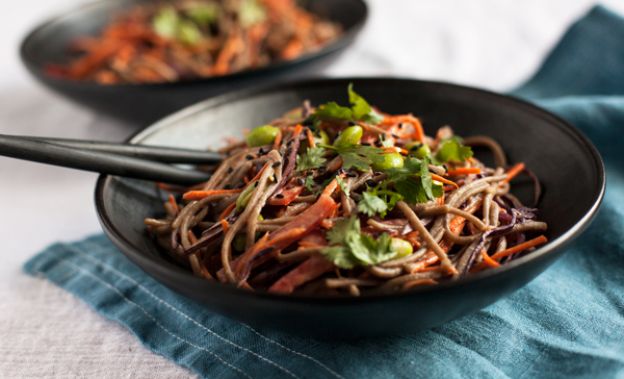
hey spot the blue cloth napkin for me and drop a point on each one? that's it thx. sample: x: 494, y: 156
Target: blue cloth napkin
x: 569, y: 322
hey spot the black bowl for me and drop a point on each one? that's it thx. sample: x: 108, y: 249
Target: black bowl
x: 145, y: 103
x: 557, y: 152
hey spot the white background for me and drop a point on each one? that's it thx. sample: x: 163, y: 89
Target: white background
x: 494, y: 44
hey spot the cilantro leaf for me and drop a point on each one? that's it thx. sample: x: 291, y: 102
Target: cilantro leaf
x: 358, y: 156
x: 371, y: 204
x: 350, y: 247
x: 360, y: 110
x: 341, y: 229
x: 413, y: 181
x: 425, y: 178
x: 313, y: 158
x: 343, y: 186
x: 332, y: 110
x: 309, y: 183
x: 340, y: 255
x: 452, y: 150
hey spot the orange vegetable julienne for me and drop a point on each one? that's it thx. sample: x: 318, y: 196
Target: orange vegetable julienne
x: 310, y: 137
x: 331, y: 187
x: 463, y: 171
x: 198, y: 195
x: 174, y: 204
x: 514, y: 171
x: 227, y: 211
x: 225, y: 225
x: 488, y: 261
x: 444, y: 180
x: 278, y: 140
x: 520, y: 247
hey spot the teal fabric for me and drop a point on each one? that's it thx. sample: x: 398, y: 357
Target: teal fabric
x: 567, y: 323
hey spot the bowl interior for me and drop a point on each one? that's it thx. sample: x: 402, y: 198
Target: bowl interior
x: 557, y: 153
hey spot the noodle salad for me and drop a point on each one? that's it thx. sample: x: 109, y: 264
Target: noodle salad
x: 348, y: 200
x: 168, y: 41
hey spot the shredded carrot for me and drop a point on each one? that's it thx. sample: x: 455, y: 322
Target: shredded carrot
x: 292, y: 234
x: 514, y: 171
x: 278, y: 140
x: 331, y: 187
x: 444, y: 180
x: 198, y: 195
x: 225, y: 225
x: 488, y: 261
x: 231, y: 47
x: 292, y: 50
x: 520, y: 247
x: 419, y: 133
x: 463, y: 171
x: 327, y: 224
x: 310, y: 136
x: 174, y: 204
x: 298, y: 130
x: 412, y: 237
x: 430, y: 259
x: 227, y: 211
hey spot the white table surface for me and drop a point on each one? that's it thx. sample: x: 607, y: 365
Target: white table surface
x: 45, y: 332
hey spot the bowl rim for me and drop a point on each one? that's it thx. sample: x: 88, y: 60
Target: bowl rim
x: 34, y: 67
x: 179, y: 274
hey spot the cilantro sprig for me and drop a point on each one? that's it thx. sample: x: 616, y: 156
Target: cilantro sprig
x: 311, y: 159
x: 360, y: 110
x: 349, y: 247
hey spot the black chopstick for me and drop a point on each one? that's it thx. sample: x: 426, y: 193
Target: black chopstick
x: 97, y: 161
x: 154, y: 153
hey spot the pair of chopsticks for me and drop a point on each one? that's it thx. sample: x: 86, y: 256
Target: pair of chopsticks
x: 132, y: 161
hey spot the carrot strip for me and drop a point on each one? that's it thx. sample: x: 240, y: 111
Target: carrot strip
x: 231, y: 47
x: 227, y: 211
x: 225, y: 225
x: 310, y: 136
x: 419, y: 133
x: 278, y: 140
x: 331, y: 187
x: 444, y: 180
x: 514, y: 171
x: 198, y: 195
x: 520, y: 247
x: 298, y: 130
x: 463, y: 171
x: 174, y: 204
x: 488, y: 261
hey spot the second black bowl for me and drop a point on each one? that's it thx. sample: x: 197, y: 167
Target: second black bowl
x: 557, y: 153
x: 145, y: 103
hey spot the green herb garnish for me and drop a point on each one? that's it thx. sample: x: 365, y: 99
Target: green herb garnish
x: 313, y: 158
x: 349, y: 247
x: 371, y: 204
x: 360, y: 110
